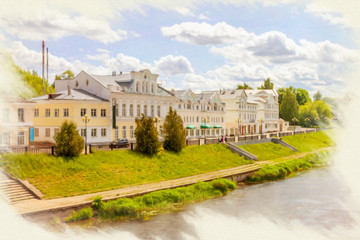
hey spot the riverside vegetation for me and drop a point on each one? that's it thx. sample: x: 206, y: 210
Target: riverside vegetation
x: 101, y: 171
x: 131, y: 208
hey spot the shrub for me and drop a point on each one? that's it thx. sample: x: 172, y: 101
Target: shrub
x: 146, y: 135
x: 68, y: 141
x: 173, y: 132
x: 97, y: 204
x: 83, y: 214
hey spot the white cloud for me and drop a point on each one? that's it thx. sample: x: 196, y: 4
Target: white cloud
x: 51, y: 24
x: 173, y: 65
x: 204, y: 33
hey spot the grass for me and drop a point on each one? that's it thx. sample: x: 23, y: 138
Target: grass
x: 83, y: 214
x: 267, y: 151
x: 101, y: 171
x: 310, y: 141
x: 125, y: 208
x: 280, y: 171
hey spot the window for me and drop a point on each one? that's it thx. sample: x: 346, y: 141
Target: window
x: 131, y: 110
x: 87, y: 82
x: 76, y: 84
x: 124, y: 132
x: 47, y: 112
x: 145, y: 110
x: 5, y: 115
x: 66, y: 112
x: 124, y: 110
x: 138, y: 111
x: 131, y: 131
x: 93, y: 132
x: 188, y: 105
x: 137, y: 86
x: 116, y: 135
x: 179, y: 106
x: 36, y: 112
x: 93, y: 112
x: 36, y: 132
x: 56, y: 131
x: 47, y: 132
x: 158, y: 111
x: 83, y: 112
x: 152, y: 110
x: 152, y: 88
x: 103, y: 132
x: 20, y: 138
x: 83, y: 132
x: 20, y: 115
x: 56, y: 113
x: 6, y: 138
x: 103, y: 112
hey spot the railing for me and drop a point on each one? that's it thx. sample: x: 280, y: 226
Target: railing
x: 36, y: 150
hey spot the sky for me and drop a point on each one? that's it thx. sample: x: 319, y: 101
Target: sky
x: 201, y: 45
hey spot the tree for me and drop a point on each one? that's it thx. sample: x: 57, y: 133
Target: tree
x: 68, y: 74
x: 302, y: 96
x: 173, y: 132
x: 289, y: 106
x: 245, y: 86
x: 147, y: 141
x: 314, y: 113
x: 267, y: 84
x: 69, y: 143
x: 317, y: 96
x: 281, y: 92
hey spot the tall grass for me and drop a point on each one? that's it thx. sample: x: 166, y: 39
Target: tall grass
x: 280, y: 171
x: 82, y: 214
x: 101, y: 171
x: 159, y: 200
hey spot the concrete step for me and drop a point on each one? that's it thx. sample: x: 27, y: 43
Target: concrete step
x: 18, y: 199
x: 15, y: 190
x: 19, y: 195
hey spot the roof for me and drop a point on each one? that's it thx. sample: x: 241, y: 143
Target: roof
x: 75, y: 94
x: 13, y: 99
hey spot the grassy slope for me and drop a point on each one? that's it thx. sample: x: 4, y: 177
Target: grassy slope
x: 101, y: 171
x: 311, y: 141
x: 267, y: 151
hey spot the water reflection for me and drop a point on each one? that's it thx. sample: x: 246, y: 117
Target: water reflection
x: 316, y: 199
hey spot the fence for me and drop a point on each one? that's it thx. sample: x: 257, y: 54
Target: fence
x: 22, y: 150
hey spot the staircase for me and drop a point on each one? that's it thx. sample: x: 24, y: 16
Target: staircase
x: 241, y: 152
x: 13, y: 190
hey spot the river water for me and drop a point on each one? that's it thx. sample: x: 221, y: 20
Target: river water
x: 313, y: 204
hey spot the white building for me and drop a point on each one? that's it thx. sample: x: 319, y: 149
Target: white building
x: 203, y: 114
x: 251, y: 111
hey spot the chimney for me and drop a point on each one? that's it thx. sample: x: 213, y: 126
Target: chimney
x: 43, y: 63
x: 114, y: 73
x: 120, y: 73
x: 69, y: 90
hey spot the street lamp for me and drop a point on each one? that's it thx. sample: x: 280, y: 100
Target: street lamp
x: 204, y: 120
x: 261, y: 122
x: 307, y: 120
x: 86, y: 119
x: 294, y: 121
x: 239, y: 122
x: 156, y: 120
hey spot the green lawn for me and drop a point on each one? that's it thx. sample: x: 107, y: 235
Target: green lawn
x: 310, y: 141
x: 267, y: 151
x: 102, y: 171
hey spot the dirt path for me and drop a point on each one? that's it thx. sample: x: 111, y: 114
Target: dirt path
x: 38, y: 206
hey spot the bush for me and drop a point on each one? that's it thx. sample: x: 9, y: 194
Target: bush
x: 173, y: 132
x: 146, y: 135
x: 68, y: 141
x: 83, y: 214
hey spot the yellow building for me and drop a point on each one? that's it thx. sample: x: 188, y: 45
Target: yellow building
x: 51, y: 110
x: 15, y: 121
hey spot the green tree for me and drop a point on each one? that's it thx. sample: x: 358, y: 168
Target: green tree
x: 302, y: 96
x: 317, y: 96
x: 147, y: 140
x: 267, y: 84
x: 68, y: 74
x: 69, y: 143
x: 281, y: 92
x: 173, y: 132
x: 289, y: 106
x: 245, y: 86
x: 308, y: 115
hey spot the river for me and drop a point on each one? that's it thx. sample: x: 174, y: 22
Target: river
x: 311, y: 205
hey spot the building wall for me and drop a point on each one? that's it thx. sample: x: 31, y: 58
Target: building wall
x: 52, y: 123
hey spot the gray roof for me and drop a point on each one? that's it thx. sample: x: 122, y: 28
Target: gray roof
x: 112, y: 79
x: 75, y: 94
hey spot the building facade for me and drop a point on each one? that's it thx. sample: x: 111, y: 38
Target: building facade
x: 251, y: 111
x: 16, y: 121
